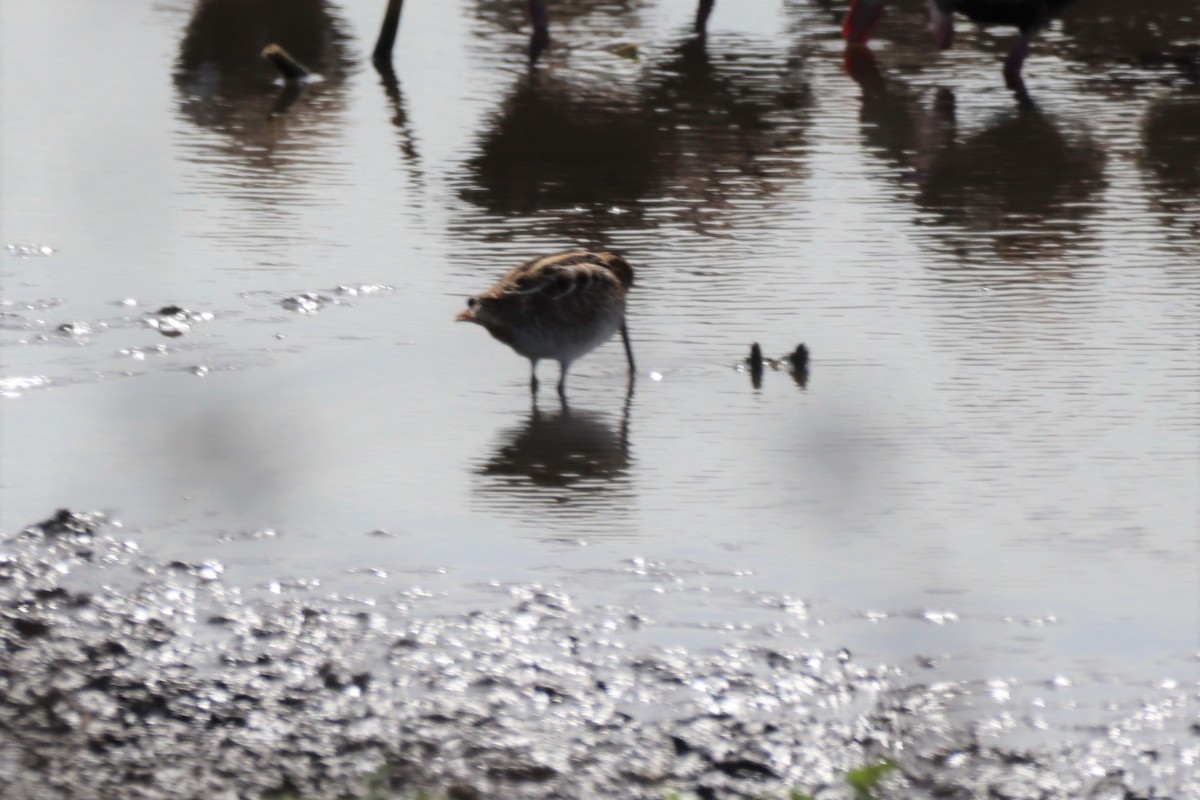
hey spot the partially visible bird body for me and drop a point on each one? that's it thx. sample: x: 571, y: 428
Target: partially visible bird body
x: 558, y: 307
x: 1028, y: 16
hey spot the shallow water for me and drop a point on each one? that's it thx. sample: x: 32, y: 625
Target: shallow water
x: 992, y: 463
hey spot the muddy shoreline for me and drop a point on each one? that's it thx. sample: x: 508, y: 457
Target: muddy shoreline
x: 126, y: 677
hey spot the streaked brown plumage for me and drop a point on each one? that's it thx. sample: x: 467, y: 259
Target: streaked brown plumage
x: 560, y: 306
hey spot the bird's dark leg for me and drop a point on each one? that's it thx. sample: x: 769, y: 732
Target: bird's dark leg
x: 562, y: 380
x: 1014, y: 62
x: 533, y: 381
x: 540, y: 18
x: 387, y: 33
x: 628, y: 350
x: 702, y: 11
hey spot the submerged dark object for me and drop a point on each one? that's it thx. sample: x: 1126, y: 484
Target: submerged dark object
x: 66, y: 522
x: 799, y: 357
x: 76, y: 328
x: 756, y: 365
x: 797, y: 360
x: 173, y: 320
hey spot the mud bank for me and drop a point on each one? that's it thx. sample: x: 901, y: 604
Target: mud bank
x: 125, y: 677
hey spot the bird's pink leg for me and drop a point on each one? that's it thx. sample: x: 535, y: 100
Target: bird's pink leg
x: 943, y: 26
x: 860, y: 20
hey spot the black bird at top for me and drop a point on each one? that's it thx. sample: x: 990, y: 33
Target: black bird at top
x: 1027, y: 16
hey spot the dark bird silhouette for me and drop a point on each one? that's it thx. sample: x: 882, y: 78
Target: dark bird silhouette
x: 1027, y: 16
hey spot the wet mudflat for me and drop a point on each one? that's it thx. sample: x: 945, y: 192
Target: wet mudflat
x: 227, y: 323
x: 126, y: 677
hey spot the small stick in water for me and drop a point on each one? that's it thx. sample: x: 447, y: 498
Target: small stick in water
x: 290, y: 68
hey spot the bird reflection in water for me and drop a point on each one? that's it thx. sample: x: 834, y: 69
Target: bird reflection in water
x: 268, y: 161
x: 688, y: 141
x: 1148, y: 34
x: 1022, y: 188
x: 556, y: 145
x: 395, y: 96
x: 1150, y: 51
x: 1171, y: 160
x: 572, y: 462
x: 513, y: 16
x: 222, y: 78
x: 535, y: 19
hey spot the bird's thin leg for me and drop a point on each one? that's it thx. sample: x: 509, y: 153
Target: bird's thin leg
x: 860, y: 20
x: 942, y: 22
x: 533, y: 381
x: 562, y: 379
x: 540, y: 17
x: 1014, y: 62
x: 387, y: 34
x: 628, y: 349
x: 702, y: 11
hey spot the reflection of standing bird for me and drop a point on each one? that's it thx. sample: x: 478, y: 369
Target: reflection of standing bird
x: 561, y: 307
x: 539, y: 16
x: 1028, y: 16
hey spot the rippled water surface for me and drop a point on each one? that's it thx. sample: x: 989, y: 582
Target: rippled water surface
x: 993, y: 461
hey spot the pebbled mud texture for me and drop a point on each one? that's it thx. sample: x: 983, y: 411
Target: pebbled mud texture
x: 122, y: 677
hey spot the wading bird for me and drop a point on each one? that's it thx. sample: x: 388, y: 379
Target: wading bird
x: 558, y: 307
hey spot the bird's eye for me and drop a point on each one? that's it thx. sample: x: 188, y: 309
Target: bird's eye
x: 472, y: 302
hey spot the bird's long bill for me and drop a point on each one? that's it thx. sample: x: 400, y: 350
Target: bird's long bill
x: 465, y: 316
x: 860, y: 20
x: 943, y: 26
